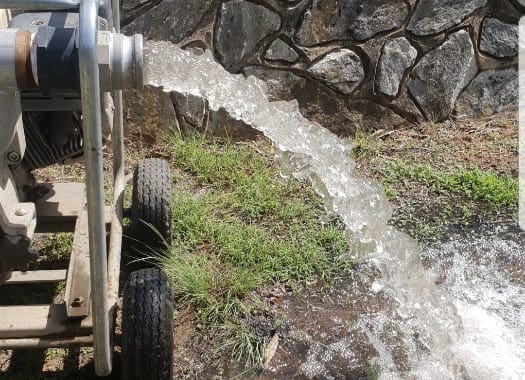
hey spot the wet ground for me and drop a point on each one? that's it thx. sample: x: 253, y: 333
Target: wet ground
x: 326, y: 339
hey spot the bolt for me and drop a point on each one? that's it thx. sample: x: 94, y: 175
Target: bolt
x: 21, y: 212
x: 77, y: 302
x: 14, y: 156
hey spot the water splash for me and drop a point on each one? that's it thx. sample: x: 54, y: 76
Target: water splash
x: 426, y: 316
x: 484, y: 276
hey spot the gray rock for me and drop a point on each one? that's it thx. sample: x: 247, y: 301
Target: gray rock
x: 147, y: 112
x: 435, y: 16
x: 505, y: 10
x: 281, y: 84
x: 366, y: 18
x: 492, y: 91
x: 397, y: 57
x: 240, y: 27
x: 281, y: 51
x: 316, y: 26
x: 521, y: 2
x: 329, y: 20
x: 499, y: 39
x: 340, y: 69
x: 191, y: 111
x: 171, y: 20
x: 194, y: 114
x: 442, y: 74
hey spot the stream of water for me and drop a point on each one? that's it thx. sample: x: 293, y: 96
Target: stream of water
x: 468, y: 326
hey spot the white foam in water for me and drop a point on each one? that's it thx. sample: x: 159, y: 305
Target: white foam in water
x: 437, y: 343
x: 491, y: 302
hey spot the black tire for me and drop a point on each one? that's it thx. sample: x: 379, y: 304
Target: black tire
x: 147, y: 327
x: 151, y: 203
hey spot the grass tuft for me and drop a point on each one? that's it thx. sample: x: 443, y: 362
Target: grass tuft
x: 472, y: 183
x: 239, y: 227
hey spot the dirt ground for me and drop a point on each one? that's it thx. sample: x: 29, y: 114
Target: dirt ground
x: 489, y: 144
x: 309, y: 325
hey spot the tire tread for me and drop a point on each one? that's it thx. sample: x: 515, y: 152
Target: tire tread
x: 147, y: 323
x: 151, y: 203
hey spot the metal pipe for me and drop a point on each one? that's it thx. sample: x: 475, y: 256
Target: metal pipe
x: 17, y: 343
x: 115, y: 242
x: 115, y: 7
x: 117, y: 140
x: 8, y: 59
x: 37, y: 5
x: 48, y: 5
x: 91, y: 111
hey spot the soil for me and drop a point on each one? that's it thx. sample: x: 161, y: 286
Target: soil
x: 317, y: 337
x: 488, y: 144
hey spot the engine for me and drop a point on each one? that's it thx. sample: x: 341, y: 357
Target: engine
x: 51, y: 115
x: 51, y: 137
x: 41, y: 120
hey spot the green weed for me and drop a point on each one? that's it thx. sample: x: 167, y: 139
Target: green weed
x: 58, y: 247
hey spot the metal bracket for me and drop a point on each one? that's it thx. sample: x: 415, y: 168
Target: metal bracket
x: 78, y: 286
x: 17, y: 222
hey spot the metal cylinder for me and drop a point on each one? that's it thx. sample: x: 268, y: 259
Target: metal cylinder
x: 120, y: 61
x: 34, y: 5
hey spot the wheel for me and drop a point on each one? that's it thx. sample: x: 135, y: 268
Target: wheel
x: 147, y: 326
x: 151, y: 203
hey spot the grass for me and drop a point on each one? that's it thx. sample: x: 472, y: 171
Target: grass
x: 240, y: 227
x: 433, y: 202
x: 445, y: 177
x: 471, y: 183
x: 57, y: 247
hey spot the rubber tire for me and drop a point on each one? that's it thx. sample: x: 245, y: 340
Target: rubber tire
x: 151, y: 202
x: 147, y: 327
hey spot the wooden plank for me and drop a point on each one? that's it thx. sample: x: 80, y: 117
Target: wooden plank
x: 40, y: 276
x: 41, y: 321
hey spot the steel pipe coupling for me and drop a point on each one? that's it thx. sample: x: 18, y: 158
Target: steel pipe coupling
x: 120, y: 60
x: 15, y: 60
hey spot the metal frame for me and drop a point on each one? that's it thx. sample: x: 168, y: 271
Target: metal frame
x: 93, y: 160
x: 104, y: 264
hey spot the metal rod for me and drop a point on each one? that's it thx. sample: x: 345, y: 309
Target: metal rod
x: 36, y: 5
x: 13, y: 344
x: 91, y: 113
x: 115, y: 7
x: 117, y: 140
x: 115, y: 242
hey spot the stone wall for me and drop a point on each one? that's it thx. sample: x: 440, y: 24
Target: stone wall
x: 354, y: 63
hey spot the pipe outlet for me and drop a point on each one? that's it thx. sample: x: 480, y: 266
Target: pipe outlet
x: 120, y: 60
